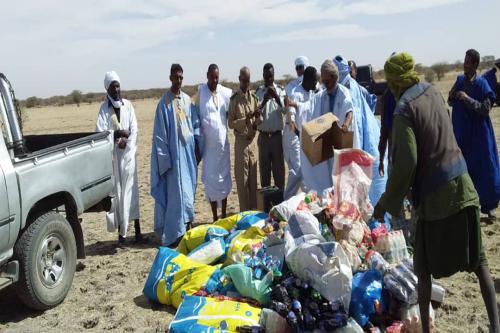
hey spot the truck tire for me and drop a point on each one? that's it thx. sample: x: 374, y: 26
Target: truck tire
x: 46, y: 252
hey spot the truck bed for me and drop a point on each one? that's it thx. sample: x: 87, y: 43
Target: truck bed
x: 46, y: 143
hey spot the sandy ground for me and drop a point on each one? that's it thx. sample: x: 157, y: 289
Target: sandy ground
x: 107, y: 293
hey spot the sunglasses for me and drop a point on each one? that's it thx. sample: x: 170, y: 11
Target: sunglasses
x: 299, y: 67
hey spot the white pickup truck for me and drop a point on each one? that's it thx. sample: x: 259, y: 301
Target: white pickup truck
x: 46, y: 182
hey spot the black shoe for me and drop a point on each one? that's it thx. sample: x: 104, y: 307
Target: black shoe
x: 140, y: 239
x: 121, y: 241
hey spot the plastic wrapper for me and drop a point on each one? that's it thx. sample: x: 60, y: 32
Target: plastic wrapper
x: 352, y: 174
x: 247, y: 286
x: 205, y: 314
x: 352, y: 254
x: 209, y: 252
x: 241, y: 243
x: 199, y: 235
x: 402, y: 284
x: 174, y: 276
x: 376, y: 261
x: 410, y: 316
x: 324, y: 267
x: 303, y: 227
x: 392, y: 246
x: 229, y: 222
x: 366, y: 291
x: 252, y: 220
x: 287, y: 208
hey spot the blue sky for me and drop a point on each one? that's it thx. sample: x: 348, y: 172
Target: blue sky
x: 52, y: 47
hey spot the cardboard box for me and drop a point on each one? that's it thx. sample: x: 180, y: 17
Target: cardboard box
x: 320, y: 135
x: 268, y: 197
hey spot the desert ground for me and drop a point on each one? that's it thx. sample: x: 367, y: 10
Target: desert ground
x: 107, y: 293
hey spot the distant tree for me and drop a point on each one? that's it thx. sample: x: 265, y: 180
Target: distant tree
x: 441, y: 68
x: 32, y: 101
x: 76, y: 97
x: 379, y: 75
x: 429, y: 75
x: 487, y: 61
x: 420, y: 68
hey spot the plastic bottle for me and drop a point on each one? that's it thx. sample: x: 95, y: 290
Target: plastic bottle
x: 438, y: 293
x: 292, y: 321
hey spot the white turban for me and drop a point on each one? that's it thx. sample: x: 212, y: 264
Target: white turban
x: 302, y: 61
x: 109, y: 77
x: 329, y: 67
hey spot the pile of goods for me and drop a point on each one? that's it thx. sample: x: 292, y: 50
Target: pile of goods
x: 315, y: 263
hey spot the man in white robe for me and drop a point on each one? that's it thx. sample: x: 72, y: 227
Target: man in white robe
x: 333, y: 98
x: 291, y: 140
x: 117, y: 116
x: 212, y: 103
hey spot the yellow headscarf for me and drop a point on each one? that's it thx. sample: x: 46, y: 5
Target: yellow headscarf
x: 400, y: 73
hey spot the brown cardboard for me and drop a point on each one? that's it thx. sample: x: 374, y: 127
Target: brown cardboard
x: 320, y: 134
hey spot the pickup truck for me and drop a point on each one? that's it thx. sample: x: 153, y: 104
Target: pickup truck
x: 365, y: 78
x: 46, y: 183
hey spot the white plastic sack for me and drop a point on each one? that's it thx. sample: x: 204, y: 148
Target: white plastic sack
x: 325, y: 267
x: 303, y: 227
x: 209, y: 252
x: 287, y: 208
x: 352, y: 177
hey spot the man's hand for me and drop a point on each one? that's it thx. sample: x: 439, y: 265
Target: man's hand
x: 461, y: 96
x: 122, y: 143
x: 347, y: 122
x: 379, y: 212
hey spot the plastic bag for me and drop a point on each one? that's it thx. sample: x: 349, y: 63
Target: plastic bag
x: 229, y: 222
x: 242, y: 242
x: 204, y: 315
x: 402, y: 283
x: 287, y: 208
x: 392, y: 246
x: 252, y: 220
x: 209, y: 252
x: 247, y: 286
x: 303, y: 227
x: 199, y: 235
x: 325, y: 267
x: 366, y: 290
x: 352, y: 174
x: 173, y: 276
x: 352, y: 254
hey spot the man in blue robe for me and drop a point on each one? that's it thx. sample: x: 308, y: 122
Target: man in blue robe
x: 367, y: 127
x: 491, y: 77
x: 471, y: 98
x: 174, y: 158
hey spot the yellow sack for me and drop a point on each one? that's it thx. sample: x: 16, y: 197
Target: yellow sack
x: 243, y: 242
x: 199, y: 235
x: 174, y: 276
x: 204, y: 314
x: 229, y: 222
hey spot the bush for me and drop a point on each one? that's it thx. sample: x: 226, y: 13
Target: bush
x: 441, y: 68
x: 429, y: 75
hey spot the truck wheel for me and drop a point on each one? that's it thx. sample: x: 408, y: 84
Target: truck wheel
x: 47, y: 259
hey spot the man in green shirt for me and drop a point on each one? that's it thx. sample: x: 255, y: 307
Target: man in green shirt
x: 427, y: 160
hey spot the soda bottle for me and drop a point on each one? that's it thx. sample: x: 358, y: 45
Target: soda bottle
x: 293, y: 322
x: 309, y: 321
x: 279, y: 307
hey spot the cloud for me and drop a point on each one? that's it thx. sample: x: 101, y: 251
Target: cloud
x: 210, y: 35
x: 331, y: 32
